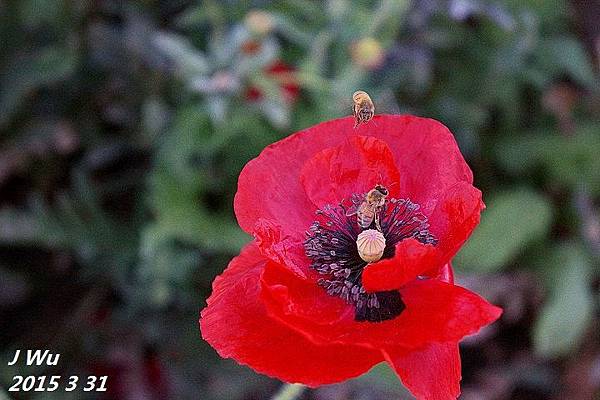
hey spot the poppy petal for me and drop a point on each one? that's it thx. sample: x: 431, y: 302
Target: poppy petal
x: 354, y: 167
x: 411, y: 259
x: 452, y: 221
x: 454, y: 218
x: 281, y: 248
x: 428, y: 158
x: 454, y: 312
x: 236, y: 324
x: 435, y: 312
x: 425, y: 153
x: 444, y: 274
x: 430, y: 373
x: 269, y: 186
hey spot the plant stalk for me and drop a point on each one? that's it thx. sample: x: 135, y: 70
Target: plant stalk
x: 289, y: 391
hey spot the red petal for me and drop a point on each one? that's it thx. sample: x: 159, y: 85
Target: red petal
x: 288, y: 296
x: 253, y: 94
x: 356, y: 166
x: 281, y: 248
x: 435, y: 312
x: 452, y: 221
x: 454, y: 218
x: 278, y: 67
x: 444, y: 274
x: 450, y: 310
x: 411, y: 259
x: 236, y: 324
x: 427, y: 156
x: 430, y: 373
x: 425, y: 153
x: 269, y: 185
x: 285, y: 76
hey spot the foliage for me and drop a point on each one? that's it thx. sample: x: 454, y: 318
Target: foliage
x: 559, y: 328
x: 125, y: 125
x: 513, y: 219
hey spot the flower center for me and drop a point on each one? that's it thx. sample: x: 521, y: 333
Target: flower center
x: 331, y: 244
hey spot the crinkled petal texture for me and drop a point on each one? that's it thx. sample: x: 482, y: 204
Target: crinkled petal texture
x: 435, y: 311
x: 277, y: 184
x: 267, y: 310
x: 237, y: 325
x: 430, y: 373
x: 452, y: 220
x: 355, y: 166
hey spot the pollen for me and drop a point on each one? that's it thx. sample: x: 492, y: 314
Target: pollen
x: 370, y: 244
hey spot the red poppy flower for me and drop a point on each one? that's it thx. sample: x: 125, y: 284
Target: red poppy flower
x: 283, y: 74
x: 300, y: 304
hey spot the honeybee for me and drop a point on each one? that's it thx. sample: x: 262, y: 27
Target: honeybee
x: 369, y: 210
x: 363, y: 108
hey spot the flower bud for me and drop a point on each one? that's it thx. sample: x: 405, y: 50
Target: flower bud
x: 259, y: 22
x: 370, y: 244
x: 367, y: 53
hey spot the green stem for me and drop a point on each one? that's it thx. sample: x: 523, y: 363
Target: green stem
x: 289, y: 391
x: 4, y: 395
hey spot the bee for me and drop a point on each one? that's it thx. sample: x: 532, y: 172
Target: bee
x: 363, y: 108
x: 370, y: 208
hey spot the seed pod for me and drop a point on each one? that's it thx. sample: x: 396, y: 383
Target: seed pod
x: 370, y: 244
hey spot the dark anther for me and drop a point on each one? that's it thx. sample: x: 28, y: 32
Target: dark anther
x: 331, y: 245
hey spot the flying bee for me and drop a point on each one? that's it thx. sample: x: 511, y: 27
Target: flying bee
x: 370, y: 208
x: 363, y: 108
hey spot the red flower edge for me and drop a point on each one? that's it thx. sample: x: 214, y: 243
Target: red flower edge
x: 267, y: 310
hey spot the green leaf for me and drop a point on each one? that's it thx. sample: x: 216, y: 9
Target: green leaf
x: 165, y: 264
x: 154, y: 117
x: 37, y: 12
x: 568, y: 312
x: 569, y: 161
x: 180, y: 216
x: 190, y: 60
x: 24, y: 74
x: 565, y: 55
x: 291, y: 30
x: 511, y: 221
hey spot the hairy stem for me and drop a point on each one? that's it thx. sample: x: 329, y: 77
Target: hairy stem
x: 289, y: 391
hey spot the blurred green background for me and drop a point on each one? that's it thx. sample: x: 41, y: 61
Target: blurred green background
x: 124, y: 126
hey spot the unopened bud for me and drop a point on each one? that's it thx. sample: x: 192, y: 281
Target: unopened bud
x: 367, y: 53
x: 259, y: 22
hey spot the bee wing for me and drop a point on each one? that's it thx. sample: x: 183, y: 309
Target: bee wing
x: 352, y: 210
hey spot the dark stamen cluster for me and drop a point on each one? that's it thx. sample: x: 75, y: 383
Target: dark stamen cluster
x: 331, y: 245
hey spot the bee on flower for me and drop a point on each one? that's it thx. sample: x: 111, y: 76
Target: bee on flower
x: 318, y: 296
